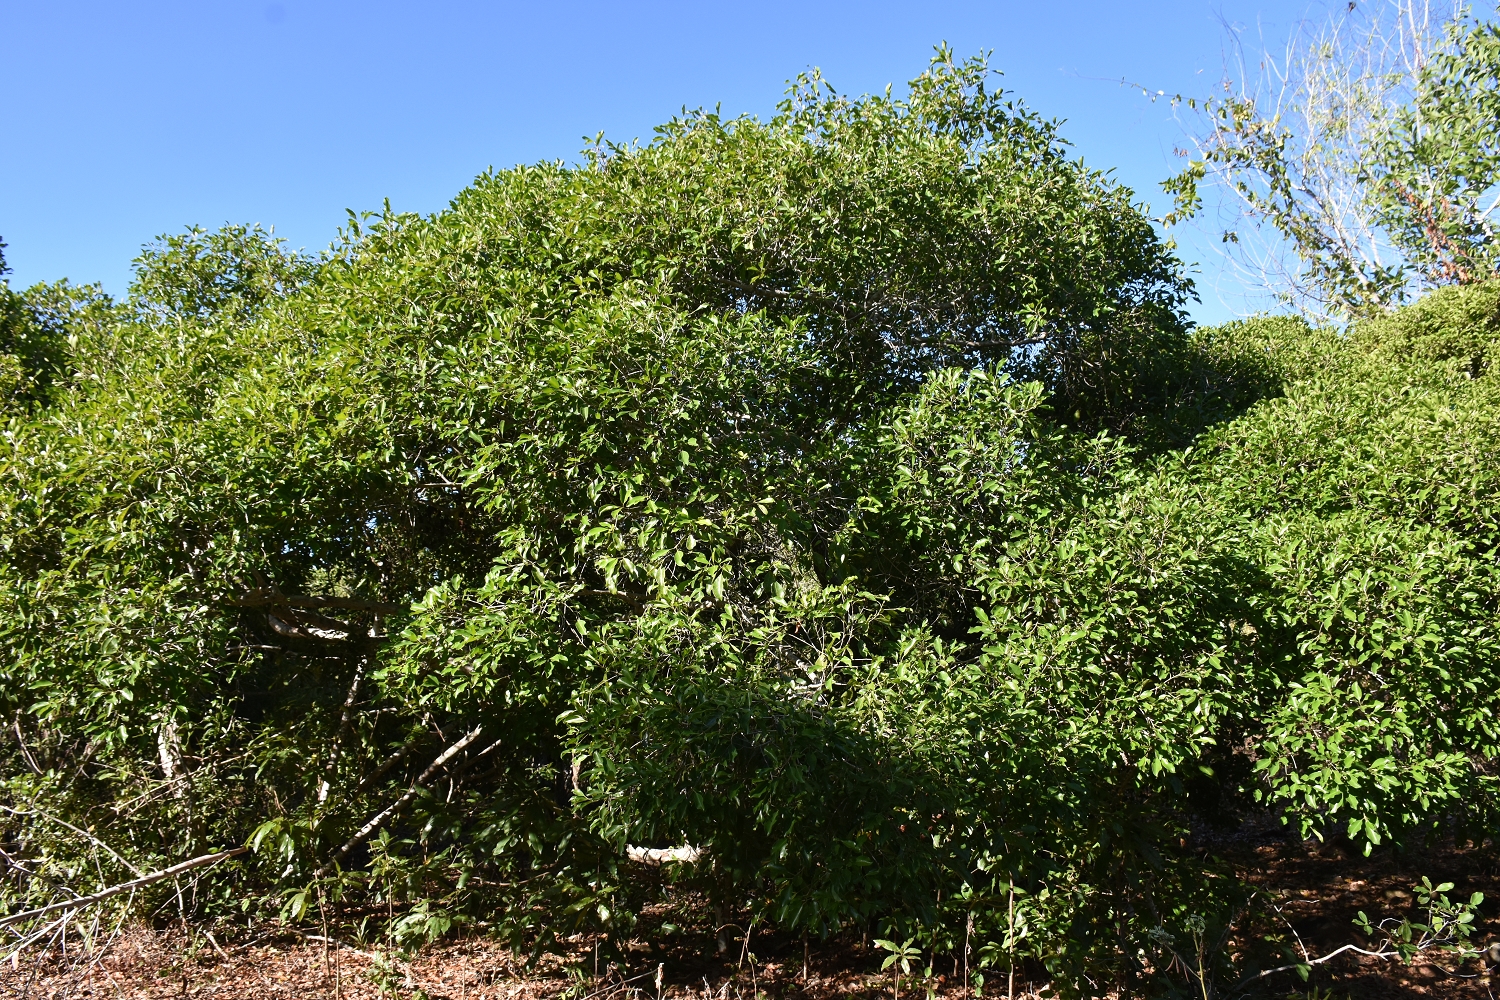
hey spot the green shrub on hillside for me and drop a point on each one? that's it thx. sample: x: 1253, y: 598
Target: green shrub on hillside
x: 842, y: 496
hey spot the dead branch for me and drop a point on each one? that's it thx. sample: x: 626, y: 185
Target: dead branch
x: 1314, y: 961
x: 379, y: 818
x: 82, y: 833
x: 390, y: 762
x: 657, y: 856
x: 338, y: 739
x: 115, y: 890
x: 25, y: 751
x: 307, y: 625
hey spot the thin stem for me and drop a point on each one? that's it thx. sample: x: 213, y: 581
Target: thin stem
x: 1010, y: 941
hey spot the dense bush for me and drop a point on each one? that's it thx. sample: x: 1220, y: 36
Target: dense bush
x: 842, y: 495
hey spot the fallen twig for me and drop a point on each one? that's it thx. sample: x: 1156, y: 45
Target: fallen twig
x: 115, y: 890
x: 324, y: 939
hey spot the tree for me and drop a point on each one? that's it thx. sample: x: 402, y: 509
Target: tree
x: 837, y: 504
x: 1435, y: 172
x: 1313, y: 156
x: 35, y: 345
x: 230, y: 273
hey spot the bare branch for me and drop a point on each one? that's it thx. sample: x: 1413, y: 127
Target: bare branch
x: 390, y: 762
x: 25, y: 751
x: 82, y: 833
x: 657, y: 856
x: 376, y: 821
x: 1288, y: 146
x: 338, y: 739
x: 1315, y: 961
x: 115, y: 890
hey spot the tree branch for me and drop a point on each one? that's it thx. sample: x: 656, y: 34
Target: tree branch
x: 379, y: 818
x: 338, y: 739
x: 1316, y: 961
x: 82, y: 833
x: 264, y: 598
x: 115, y: 890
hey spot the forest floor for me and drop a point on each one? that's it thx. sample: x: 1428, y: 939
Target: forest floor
x: 1317, y: 889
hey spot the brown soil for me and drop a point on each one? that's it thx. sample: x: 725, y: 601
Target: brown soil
x: 1317, y: 888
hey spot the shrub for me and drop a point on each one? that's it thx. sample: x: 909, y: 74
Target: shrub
x: 841, y: 496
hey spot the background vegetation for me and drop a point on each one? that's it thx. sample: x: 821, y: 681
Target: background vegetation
x: 1355, y: 168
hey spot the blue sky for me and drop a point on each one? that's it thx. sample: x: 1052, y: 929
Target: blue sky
x: 128, y: 119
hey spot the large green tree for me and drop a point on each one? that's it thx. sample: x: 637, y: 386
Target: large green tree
x: 841, y: 496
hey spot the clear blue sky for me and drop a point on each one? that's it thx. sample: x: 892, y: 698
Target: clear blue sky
x: 127, y: 119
